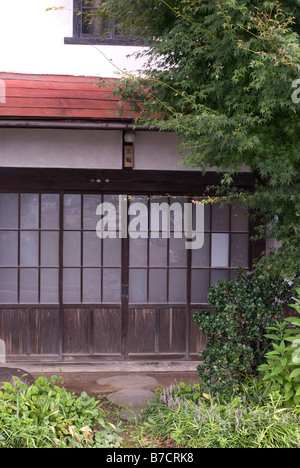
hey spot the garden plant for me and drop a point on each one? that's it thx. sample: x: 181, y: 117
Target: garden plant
x: 46, y: 415
x: 282, y: 367
x: 235, y: 329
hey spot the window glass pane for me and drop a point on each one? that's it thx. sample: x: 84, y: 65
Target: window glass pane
x: 9, y: 211
x: 91, y: 249
x: 220, y: 217
x: 239, y: 219
x: 8, y: 285
x: 72, y: 248
x: 158, y: 286
x: 114, y: 200
x: 159, y: 214
x: 49, y: 285
x: 200, y: 286
x: 93, y: 23
x: 72, y: 212
x: 219, y: 275
x: 220, y: 250
x: 72, y: 282
x: 177, y: 286
x: 158, y: 252
x: 138, y: 252
x: 138, y: 226
x: 89, y: 4
x: 112, y: 285
x: 137, y: 286
x: 177, y: 213
x: 201, y: 257
x: 177, y: 252
x: 91, y: 285
x: 233, y: 274
x: 239, y: 250
x: 29, y: 280
x: 50, y: 211
x: 206, y: 215
x: 90, y: 218
x: 112, y: 252
x: 29, y: 248
x: 50, y: 248
x: 29, y: 211
x: 8, y: 248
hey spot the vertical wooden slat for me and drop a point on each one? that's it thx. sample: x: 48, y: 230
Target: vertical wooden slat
x: 188, y: 307
x: 61, y: 282
x: 141, y: 331
x: 76, y: 328
x: 14, y: 331
x: 124, y: 297
x: 44, y: 334
x: 39, y: 247
x: 107, y: 331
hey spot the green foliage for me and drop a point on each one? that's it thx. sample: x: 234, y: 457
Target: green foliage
x: 46, y: 415
x: 220, y: 75
x: 282, y: 366
x: 236, y: 345
x: 192, y: 391
x: 213, y: 422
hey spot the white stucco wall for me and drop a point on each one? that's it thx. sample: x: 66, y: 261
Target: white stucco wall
x: 90, y: 149
x: 32, y: 41
x: 155, y: 150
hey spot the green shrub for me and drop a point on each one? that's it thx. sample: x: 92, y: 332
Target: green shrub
x: 46, y: 415
x: 282, y: 366
x: 235, y: 329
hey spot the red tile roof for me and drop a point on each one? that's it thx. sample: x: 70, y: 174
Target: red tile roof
x: 58, y: 97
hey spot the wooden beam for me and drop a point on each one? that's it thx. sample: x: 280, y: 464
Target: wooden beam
x: 116, y: 181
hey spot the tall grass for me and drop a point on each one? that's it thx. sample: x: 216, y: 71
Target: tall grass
x: 212, y: 423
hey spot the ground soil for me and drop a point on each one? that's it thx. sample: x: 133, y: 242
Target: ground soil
x: 87, y: 381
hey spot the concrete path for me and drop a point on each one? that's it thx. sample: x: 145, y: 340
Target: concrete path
x: 119, y: 382
x: 109, y: 366
x: 133, y: 392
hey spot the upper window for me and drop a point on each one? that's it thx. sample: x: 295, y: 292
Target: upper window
x: 90, y: 28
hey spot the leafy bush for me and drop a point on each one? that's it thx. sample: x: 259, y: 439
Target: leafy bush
x: 236, y: 345
x: 212, y: 422
x: 46, y: 415
x: 282, y: 368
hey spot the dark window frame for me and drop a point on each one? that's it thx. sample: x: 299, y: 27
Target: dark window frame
x: 79, y: 37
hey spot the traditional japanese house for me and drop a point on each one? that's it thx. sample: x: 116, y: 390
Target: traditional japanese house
x: 66, y: 293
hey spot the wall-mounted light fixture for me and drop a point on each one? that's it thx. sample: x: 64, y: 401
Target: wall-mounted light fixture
x: 129, y: 137
x: 128, y: 152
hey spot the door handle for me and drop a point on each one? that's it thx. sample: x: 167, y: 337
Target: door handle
x: 125, y: 290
